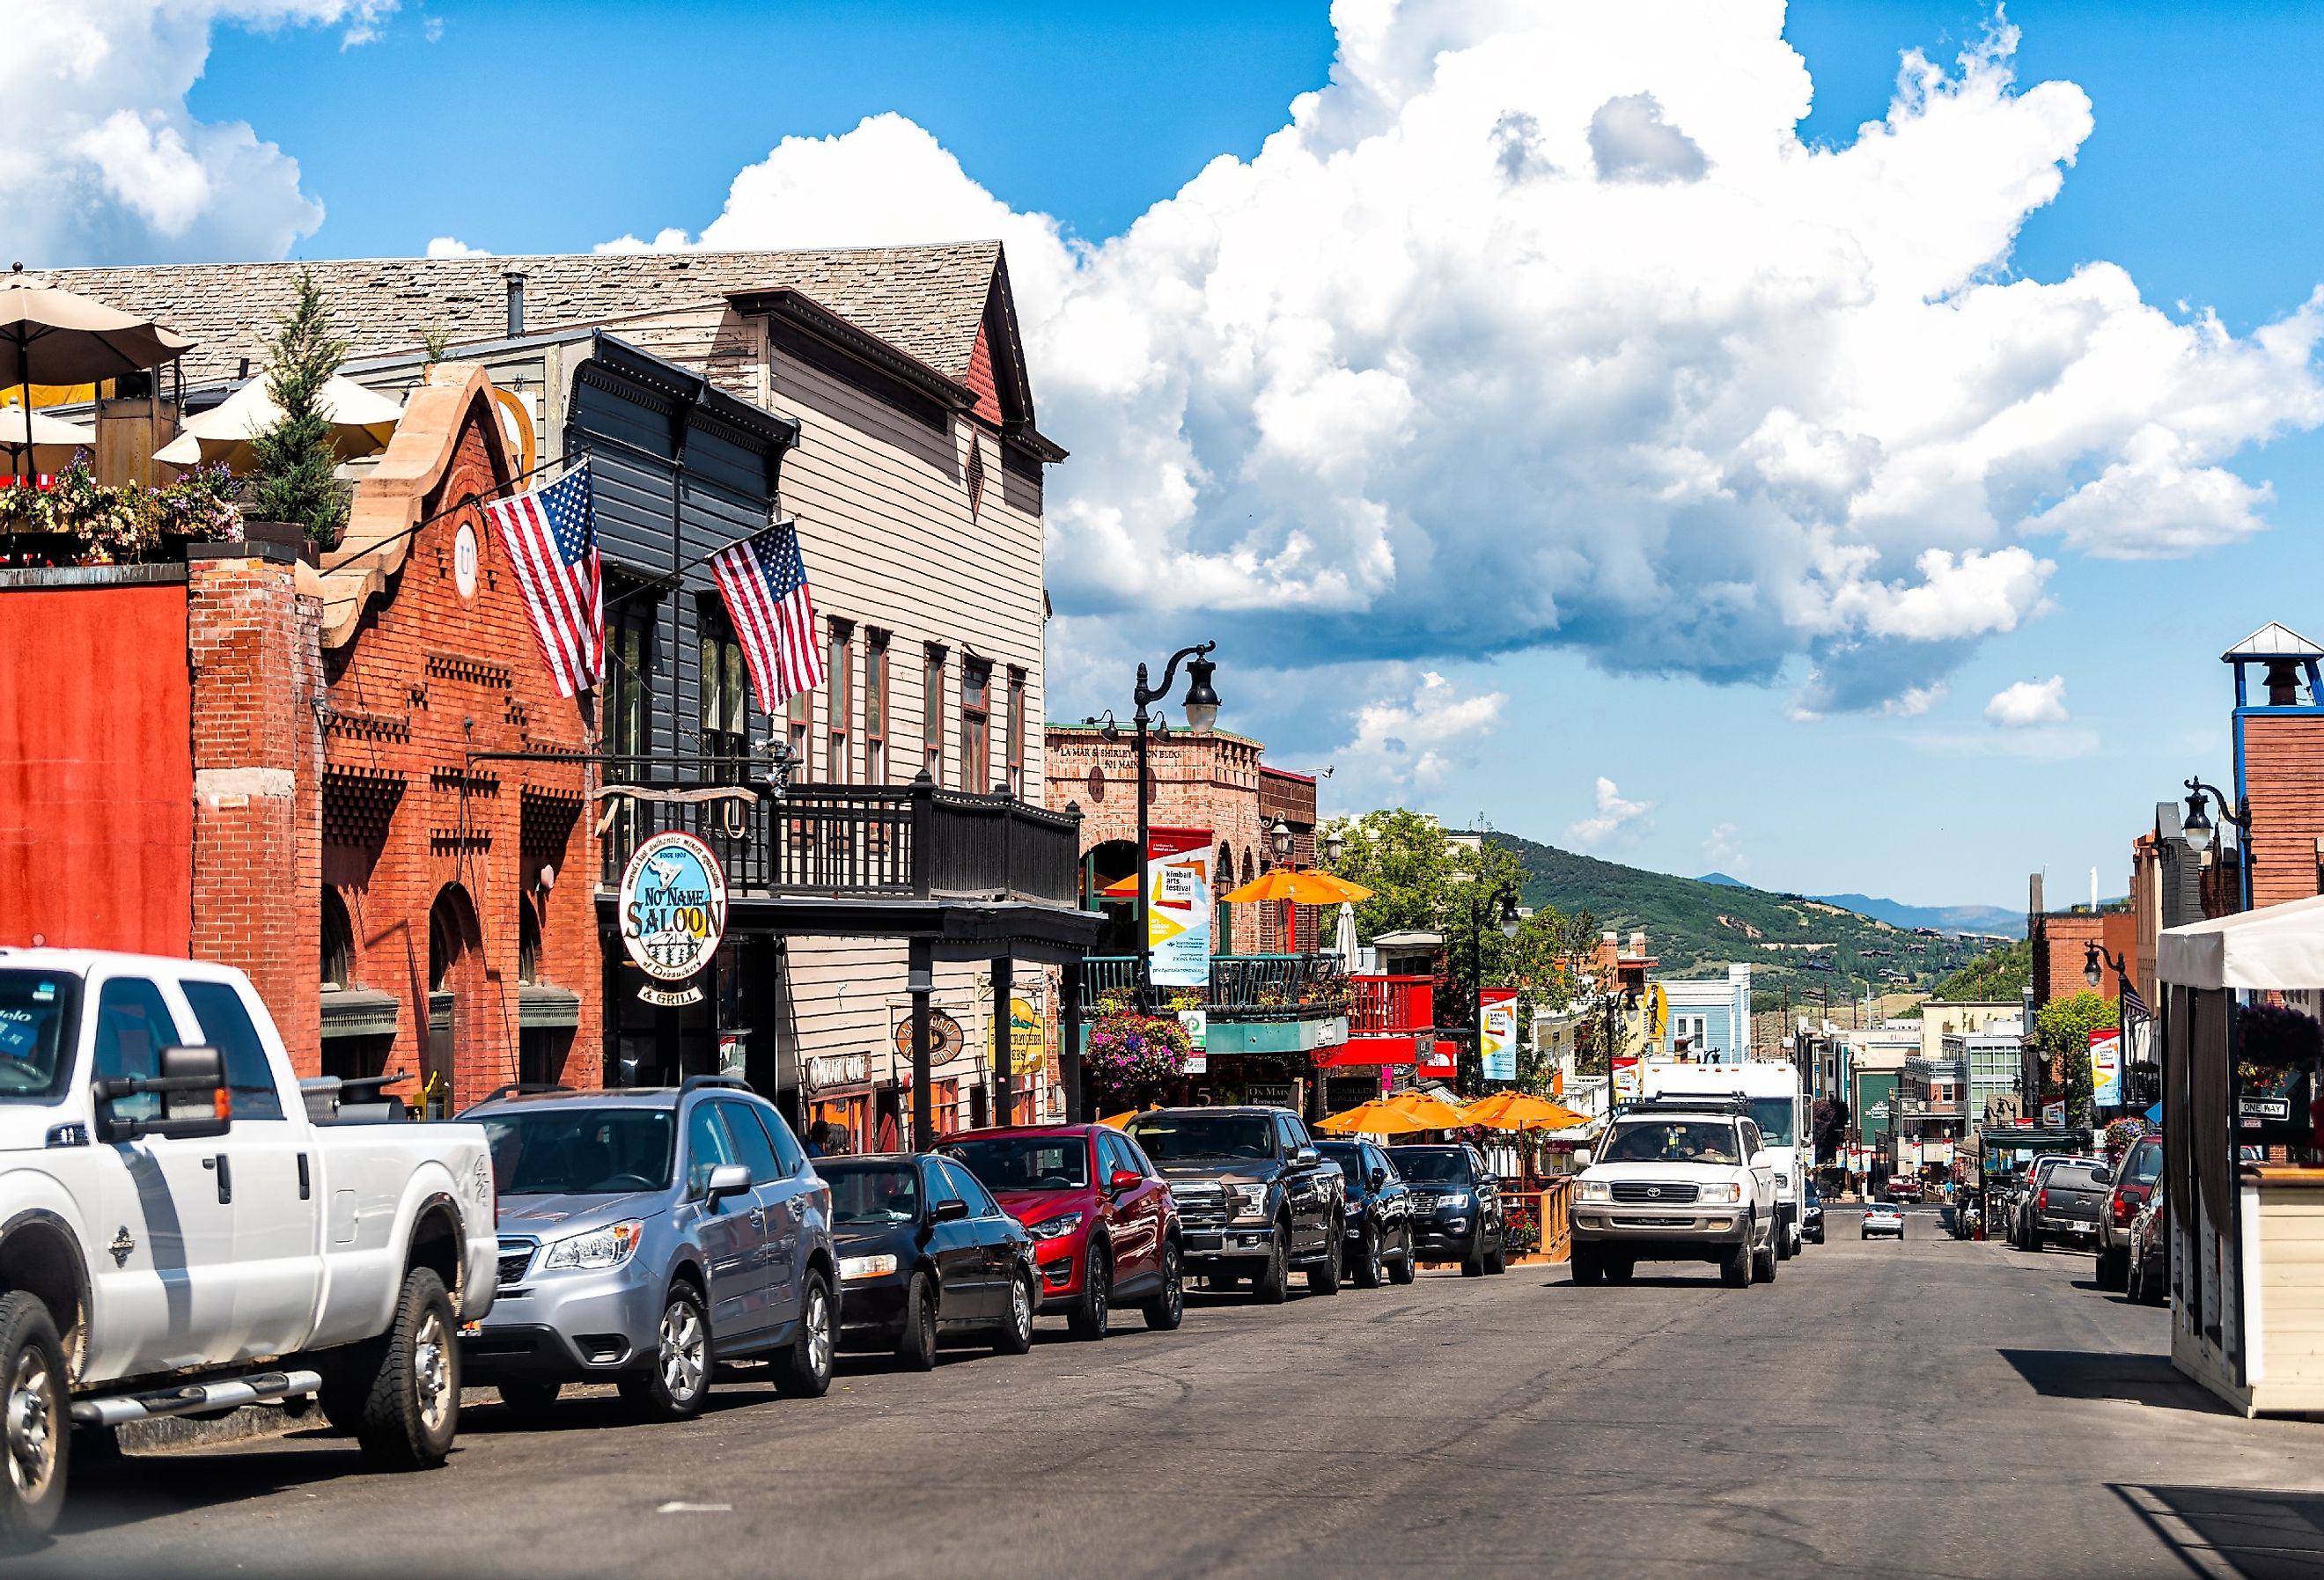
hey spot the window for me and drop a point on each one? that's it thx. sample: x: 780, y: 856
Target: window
x: 1112, y: 1158
x: 932, y: 691
x: 975, y: 726
x: 798, y: 715
x: 958, y: 1181
x: 528, y: 943
x: 875, y: 708
x: 726, y: 692
x: 839, y: 684
x: 628, y: 682
x: 707, y: 1146
x: 751, y: 1146
x: 788, y: 1153
x: 133, y: 1027
x: 226, y: 1026
x: 338, y: 943
x: 1016, y: 752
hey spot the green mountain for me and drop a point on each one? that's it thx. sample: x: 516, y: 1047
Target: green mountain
x: 1699, y: 928
x: 1993, y: 978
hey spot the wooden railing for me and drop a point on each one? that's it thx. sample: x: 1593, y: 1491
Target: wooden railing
x: 1390, y: 1006
x: 905, y: 841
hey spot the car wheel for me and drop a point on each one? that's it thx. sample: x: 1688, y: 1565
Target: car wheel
x: 1014, y: 1336
x: 1370, y: 1270
x: 1093, y: 1317
x: 916, y: 1347
x: 1588, y: 1266
x: 1324, y: 1277
x: 39, y: 1439
x: 1273, y: 1282
x: 410, y: 1380
x: 529, y: 1402
x: 1620, y: 1269
x: 1472, y: 1261
x: 675, y: 1381
x: 1762, y: 1265
x: 805, y: 1368
x: 1735, y: 1264
x: 1406, y: 1267
x: 1786, y: 1243
x: 1168, y: 1309
x: 1498, y: 1261
x: 2114, y: 1271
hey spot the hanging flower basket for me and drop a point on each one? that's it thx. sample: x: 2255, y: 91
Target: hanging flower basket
x: 1132, y: 1058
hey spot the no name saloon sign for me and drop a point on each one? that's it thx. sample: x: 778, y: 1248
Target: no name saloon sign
x: 673, y: 911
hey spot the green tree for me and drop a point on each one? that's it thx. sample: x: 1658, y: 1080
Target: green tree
x: 1996, y: 976
x: 2061, y: 1032
x: 294, y: 457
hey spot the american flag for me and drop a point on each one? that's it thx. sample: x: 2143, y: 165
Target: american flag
x: 551, y: 537
x: 763, y: 580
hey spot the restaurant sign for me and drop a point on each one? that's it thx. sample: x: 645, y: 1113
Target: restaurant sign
x: 673, y: 906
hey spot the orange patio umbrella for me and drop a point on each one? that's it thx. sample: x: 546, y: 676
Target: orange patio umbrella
x: 1430, y: 1113
x: 1300, y: 888
x: 1519, y: 1111
x: 1378, y: 1117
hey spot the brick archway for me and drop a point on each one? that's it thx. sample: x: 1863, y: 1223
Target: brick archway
x: 455, y: 993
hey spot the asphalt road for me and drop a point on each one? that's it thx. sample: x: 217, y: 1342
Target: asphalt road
x: 1935, y: 1408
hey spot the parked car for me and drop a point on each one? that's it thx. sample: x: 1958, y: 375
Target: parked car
x: 923, y: 1248
x: 2021, y: 1196
x: 1379, y: 1214
x: 1104, y: 1228
x: 1812, y: 1212
x: 167, y: 1202
x: 1255, y: 1196
x: 1678, y: 1181
x: 1906, y: 1189
x: 2137, y: 1181
x: 1883, y: 1218
x: 2066, y: 1207
x: 647, y: 1234
x: 2150, y: 1252
x: 1456, y: 1207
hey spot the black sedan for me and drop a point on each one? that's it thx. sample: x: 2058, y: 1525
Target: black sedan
x: 1379, y: 1214
x: 923, y: 1248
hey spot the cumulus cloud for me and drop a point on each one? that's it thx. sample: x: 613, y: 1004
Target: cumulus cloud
x: 1723, y: 853
x: 1542, y: 326
x: 2029, y: 704
x: 1614, y: 814
x: 103, y: 162
x: 1405, y: 742
x: 452, y: 246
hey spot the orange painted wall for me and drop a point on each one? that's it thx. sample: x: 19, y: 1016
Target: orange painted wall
x: 97, y: 779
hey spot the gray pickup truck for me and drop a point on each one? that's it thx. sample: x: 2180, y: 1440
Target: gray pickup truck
x: 1255, y: 1196
x: 2065, y: 1206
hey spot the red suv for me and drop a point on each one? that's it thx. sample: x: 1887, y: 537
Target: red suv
x: 1105, y: 1232
x: 2134, y: 1187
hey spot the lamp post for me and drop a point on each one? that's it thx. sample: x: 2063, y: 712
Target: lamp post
x: 1202, y: 714
x: 2198, y: 831
x: 1506, y: 897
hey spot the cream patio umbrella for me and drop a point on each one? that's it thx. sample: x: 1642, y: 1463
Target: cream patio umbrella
x: 51, y: 336
x: 53, y: 439
x: 361, y: 423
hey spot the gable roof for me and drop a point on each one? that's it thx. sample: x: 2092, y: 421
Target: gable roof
x: 927, y: 301
x: 2273, y: 641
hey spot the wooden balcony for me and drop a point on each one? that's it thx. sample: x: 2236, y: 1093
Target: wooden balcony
x: 1386, y: 1018
x: 1255, y: 1003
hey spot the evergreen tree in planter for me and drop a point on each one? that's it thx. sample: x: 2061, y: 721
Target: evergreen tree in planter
x: 294, y: 481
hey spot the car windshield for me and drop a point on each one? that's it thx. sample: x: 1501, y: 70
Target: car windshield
x: 1350, y: 1162
x: 1774, y: 1117
x: 1433, y: 1165
x: 579, y: 1151
x: 2145, y: 1164
x: 872, y: 1192
x: 1175, y: 1138
x: 1025, y: 1162
x: 36, y: 1032
x: 1684, y: 1141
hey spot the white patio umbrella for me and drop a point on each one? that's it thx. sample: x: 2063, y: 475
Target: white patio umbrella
x: 361, y: 423
x: 51, y: 336
x: 53, y: 438
x: 1343, y: 939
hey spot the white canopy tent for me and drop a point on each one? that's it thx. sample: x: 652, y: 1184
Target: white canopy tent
x: 2281, y: 947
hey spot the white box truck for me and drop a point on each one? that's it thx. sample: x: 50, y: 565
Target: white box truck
x: 1773, y: 1090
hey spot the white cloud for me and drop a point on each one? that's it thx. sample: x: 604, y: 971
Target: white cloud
x: 1723, y: 853
x: 2029, y: 704
x: 1614, y: 814
x: 452, y: 246
x: 101, y: 162
x: 1416, y: 381
x: 1405, y: 742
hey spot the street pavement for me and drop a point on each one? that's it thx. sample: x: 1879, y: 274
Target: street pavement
x: 1931, y: 1408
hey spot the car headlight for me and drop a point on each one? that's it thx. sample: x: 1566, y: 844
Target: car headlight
x: 595, y: 1250
x: 1050, y: 1228
x: 866, y: 1267
x: 1249, y: 1201
x: 1722, y: 1193
x: 1593, y: 1190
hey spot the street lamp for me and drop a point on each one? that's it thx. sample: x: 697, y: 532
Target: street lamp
x: 1202, y: 714
x: 1333, y: 844
x: 2092, y: 954
x: 2197, y: 828
x: 1506, y: 897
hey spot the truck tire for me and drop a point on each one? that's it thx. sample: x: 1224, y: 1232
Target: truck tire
x: 1588, y: 1266
x: 1371, y: 1272
x: 410, y: 1377
x: 531, y: 1403
x: 804, y: 1368
x: 2114, y: 1271
x: 1786, y: 1246
x: 1091, y: 1317
x: 1168, y: 1309
x: 38, y: 1424
x: 1273, y: 1282
x: 1735, y: 1265
x: 1763, y: 1266
x: 1620, y: 1268
x: 675, y: 1383
x: 1324, y: 1276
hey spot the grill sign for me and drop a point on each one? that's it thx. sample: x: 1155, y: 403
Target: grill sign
x: 673, y: 903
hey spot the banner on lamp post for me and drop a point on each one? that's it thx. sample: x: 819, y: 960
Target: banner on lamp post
x: 1497, y: 1033
x: 1625, y: 1079
x: 2106, y: 1067
x: 1179, y: 906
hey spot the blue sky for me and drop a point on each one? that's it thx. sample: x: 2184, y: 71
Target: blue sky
x: 2199, y: 177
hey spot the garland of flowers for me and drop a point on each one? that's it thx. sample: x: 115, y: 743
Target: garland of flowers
x: 119, y: 524
x: 1133, y: 1056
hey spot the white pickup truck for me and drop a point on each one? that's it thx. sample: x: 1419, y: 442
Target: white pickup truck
x: 178, y: 1237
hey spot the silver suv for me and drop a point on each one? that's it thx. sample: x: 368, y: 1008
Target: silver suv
x: 647, y: 1235
x: 1677, y: 1179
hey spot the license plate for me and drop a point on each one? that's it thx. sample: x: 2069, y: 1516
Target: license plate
x: 1204, y: 1241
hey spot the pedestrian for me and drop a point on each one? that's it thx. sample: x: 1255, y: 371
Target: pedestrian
x: 818, y: 1139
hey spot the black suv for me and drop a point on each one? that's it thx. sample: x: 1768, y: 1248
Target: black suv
x: 1379, y: 1214
x: 1255, y: 1197
x: 1456, y: 1207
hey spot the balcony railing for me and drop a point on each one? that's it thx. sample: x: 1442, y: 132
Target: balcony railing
x: 1390, y: 1006
x: 851, y: 841
x: 1243, y: 987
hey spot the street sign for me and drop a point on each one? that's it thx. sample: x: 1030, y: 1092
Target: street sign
x: 1197, y: 1023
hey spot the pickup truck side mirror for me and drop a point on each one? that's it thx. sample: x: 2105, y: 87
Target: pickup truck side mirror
x: 2102, y: 1177
x: 1305, y: 1157
x: 726, y: 1180
x: 1581, y: 1156
x: 195, y: 1101
x: 951, y: 1210
x: 1761, y: 1161
x: 1378, y: 1177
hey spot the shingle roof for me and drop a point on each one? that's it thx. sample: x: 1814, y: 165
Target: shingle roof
x: 925, y: 300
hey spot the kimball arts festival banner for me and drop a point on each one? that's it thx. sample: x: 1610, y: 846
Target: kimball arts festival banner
x: 1498, y: 1046
x: 2106, y: 1067
x: 1178, y: 905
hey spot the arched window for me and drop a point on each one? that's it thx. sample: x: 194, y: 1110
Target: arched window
x: 1223, y: 914
x: 338, y: 942
x: 528, y: 943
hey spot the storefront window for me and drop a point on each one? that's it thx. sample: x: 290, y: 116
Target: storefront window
x: 875, y: 708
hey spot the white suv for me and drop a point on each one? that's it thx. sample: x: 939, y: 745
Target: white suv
x: 1677, y: 1179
